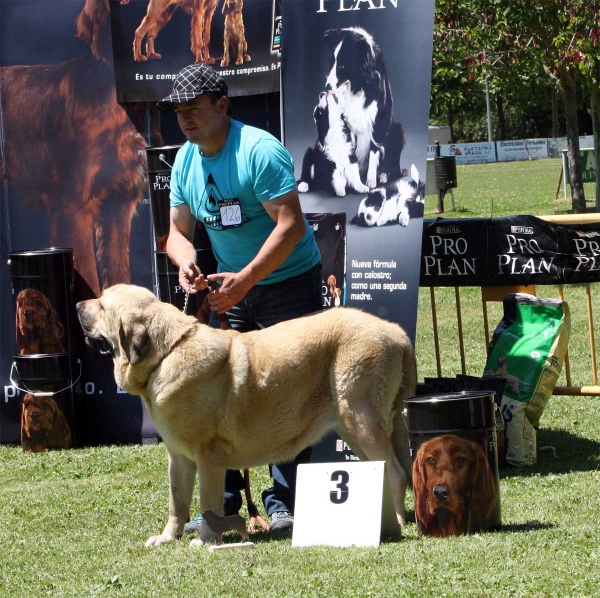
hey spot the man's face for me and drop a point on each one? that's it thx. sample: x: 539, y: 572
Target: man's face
x: 200, y: 119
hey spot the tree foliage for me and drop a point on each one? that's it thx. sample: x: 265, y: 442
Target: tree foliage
x: 507, y: 42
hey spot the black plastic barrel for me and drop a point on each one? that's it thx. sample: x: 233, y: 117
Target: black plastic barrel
x: 45, y: 382
x: 445, y: 172
x: 160, y: 162
x: 43, y: 287
x: 452, y: 439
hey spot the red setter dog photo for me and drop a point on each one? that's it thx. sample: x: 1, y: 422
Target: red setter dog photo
x: 159, y: 13
x: 43, y: 425
x: 38, y: 327
x: 73, y: 152
x: 452, y: 484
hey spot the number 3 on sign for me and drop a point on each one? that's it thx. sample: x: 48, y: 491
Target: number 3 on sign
x: 340, y: 495
x: 330, y: 497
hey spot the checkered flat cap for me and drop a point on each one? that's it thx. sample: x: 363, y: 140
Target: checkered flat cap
x: 192, y: 81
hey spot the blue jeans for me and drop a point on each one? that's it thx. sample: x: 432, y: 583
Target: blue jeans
x: 263, y: 306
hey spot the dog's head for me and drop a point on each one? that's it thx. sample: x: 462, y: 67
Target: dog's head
x: 452, y: 474
x: 39, y: 413
x: 353, y: 60
x: 370, y: 208
x: 93, y: 27
x: 137, y: 330
x: 33, y: 310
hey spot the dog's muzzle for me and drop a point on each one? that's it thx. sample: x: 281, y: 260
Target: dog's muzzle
x: 99, y: 344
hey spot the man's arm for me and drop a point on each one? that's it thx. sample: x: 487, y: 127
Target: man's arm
x: 181, y: 249
x: 290, y: 227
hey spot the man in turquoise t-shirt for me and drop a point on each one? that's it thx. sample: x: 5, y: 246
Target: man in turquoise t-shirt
x: 238, y: 182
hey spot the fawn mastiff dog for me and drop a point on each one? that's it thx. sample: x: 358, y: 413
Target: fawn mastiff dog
x: 223, y: 399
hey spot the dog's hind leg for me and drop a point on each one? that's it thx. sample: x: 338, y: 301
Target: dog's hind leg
x: 376, y: 445
x: 393, y: 150
x: 182, y: 473
x: 306, y: 176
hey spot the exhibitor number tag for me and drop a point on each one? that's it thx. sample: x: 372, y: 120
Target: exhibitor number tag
x: 231, y: 213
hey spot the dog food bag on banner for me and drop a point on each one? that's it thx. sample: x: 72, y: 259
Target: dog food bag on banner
x: 527, y: 350
x: 330, y: 235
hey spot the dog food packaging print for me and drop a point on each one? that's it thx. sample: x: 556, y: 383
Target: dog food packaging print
x: 527, y: 351
x: 452, y: 439
x: 45, y: 365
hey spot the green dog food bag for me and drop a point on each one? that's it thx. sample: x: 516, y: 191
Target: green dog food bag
x: 527, y: 350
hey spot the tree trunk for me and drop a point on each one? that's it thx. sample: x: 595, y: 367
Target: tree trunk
x: 554, y: 113
x: 451, y: 124
x: 568, y: 89
x: 595, y: 110
x: 501, y: 117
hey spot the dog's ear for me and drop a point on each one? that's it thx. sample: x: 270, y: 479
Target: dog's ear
x: 483, y: 493
x: 419, y: 481
x: 59, y: 436
x: 59, y: 329
x: 332, y: 38
x: 24, y: 426
x: 133, y: 335
x: 20, y: 336
x: 359, y: 220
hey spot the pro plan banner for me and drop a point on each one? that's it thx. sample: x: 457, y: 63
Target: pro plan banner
x: 154, y: 39
x: 520, y: 250
x: 356, y: 80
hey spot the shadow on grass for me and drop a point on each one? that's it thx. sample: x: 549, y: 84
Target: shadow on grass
x: 530, y: 526
x: 573, y: 453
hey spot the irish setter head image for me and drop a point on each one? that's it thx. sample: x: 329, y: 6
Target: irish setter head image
x: 43, y: 425
x: 38, y: 327
x: 452, y: 482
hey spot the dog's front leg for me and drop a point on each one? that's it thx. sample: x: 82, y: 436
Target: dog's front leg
x: 374, y: 157
x: 212, y: 486
x: 182, y: 473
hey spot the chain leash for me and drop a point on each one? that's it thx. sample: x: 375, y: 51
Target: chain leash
x: 187, y: 297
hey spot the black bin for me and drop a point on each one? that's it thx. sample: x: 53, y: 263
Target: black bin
x: 160, y: 162
x: 452, y: 439
x: 48, y: 418
x: 445, y: 172
x: 43, y: 287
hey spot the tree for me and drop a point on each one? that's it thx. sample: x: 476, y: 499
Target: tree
x: 504, y: 38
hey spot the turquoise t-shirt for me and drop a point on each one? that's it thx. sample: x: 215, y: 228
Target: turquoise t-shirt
x: 252, y: 167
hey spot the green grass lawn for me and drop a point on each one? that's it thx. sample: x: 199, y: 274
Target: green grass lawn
x: 74, y: 523
x: 506, y: 188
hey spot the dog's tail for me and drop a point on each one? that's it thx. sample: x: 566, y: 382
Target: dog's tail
x: 400, y: 431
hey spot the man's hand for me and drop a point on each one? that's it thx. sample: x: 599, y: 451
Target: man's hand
x: 232, y: 290
x: 190, y: 276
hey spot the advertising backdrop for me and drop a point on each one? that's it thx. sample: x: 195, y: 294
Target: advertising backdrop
x: 74, y: 175
x: 356, y: 81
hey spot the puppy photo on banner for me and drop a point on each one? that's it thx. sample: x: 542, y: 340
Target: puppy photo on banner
x: 355, y: 87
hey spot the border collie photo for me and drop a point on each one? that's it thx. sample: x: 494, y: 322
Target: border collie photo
x: 358, y: 143
x: 395, y: 203
x: 359, y: 82
x: 332, y: 164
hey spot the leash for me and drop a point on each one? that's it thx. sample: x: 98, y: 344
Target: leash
x: 255, y: 516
